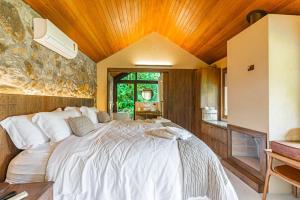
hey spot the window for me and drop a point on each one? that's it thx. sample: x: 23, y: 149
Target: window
x: 148, y: 76
x: 224, y: 94
x: 129, y: 87
x: 130, y: 76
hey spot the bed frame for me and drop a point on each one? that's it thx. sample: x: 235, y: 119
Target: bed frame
x: 12, y: 104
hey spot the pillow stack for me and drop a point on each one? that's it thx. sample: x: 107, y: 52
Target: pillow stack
x: 54, y: 124
x: 23, y: 132
x: 30, y: 131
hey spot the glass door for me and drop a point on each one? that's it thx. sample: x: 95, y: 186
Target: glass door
x: 125, y: 98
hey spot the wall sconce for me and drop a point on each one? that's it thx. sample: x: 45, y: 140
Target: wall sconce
x: 250, y: 68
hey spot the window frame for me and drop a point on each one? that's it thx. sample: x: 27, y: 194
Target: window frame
x: 135, y: 82
x: 223, y: 73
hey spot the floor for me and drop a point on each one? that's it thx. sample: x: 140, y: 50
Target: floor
x: 244, y: 192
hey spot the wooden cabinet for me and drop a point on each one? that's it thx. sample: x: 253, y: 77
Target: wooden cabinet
x: 215, y: 137
x: 207, y: 93
x: 210, y: 87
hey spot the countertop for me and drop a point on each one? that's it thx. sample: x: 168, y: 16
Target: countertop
x: 218, y: 123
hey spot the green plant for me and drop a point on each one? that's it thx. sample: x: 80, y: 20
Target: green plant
x: 125, y: 91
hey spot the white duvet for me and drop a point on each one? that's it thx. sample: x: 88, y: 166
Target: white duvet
x: 117, y: 162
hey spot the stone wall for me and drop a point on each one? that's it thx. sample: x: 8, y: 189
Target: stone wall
x: 27, y: 67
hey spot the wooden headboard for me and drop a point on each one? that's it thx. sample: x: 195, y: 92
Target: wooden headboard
x: 12, y: 104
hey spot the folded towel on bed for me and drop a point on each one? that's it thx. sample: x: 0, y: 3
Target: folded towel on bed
x: 169, y: 132
x: 161, y: 133
x: 158, y: 120
x: 179, y: 132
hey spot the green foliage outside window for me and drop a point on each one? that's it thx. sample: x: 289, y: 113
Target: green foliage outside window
x: 125, y: 91
x: 125, y: 98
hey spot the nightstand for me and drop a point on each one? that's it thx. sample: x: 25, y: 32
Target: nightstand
x: 36, y: 191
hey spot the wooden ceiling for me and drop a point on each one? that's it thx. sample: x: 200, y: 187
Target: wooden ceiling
x: 202, y: 27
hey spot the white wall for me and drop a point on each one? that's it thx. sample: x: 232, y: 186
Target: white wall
x: 268, y: 98
x: 284, y: 83
x: 222, y: 63
x: 248, y: 91
x: 284, y: 75
x: 153, y: 48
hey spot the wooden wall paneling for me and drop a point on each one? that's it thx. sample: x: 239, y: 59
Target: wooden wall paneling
x: 198, y: 111
x: 181, y: 97
x: 194, y: 124
x: 165, y: 94
x: 204, y: 87
x: 12, y: 105
x: 8, y: 152
x: 211, y: 88
x: 214, y: 80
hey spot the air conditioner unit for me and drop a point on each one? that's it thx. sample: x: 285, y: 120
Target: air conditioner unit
x: 51, y: 37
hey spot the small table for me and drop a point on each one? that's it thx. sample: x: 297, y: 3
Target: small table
x: 147, y: 114
x: 36, y: 191
x: 288, y: 172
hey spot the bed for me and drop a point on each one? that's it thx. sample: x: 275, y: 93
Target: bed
x: 118, y: 161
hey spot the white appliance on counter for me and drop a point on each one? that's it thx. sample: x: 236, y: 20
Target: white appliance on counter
x: 209, y: 114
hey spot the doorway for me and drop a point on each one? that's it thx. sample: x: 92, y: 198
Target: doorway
x: 140, y: 94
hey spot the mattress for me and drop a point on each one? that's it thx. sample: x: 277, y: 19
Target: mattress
x: 30, y: 165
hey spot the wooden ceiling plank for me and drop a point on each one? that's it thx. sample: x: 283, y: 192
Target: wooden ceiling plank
x: 105, y: 19
x: 114, y: 22
x: 183, y: 17
x: 165, y: 17
x: 203, y: 7
x: 175, y: 17
x: 202, y: 27
x: 239, y: 21
x: 121, y: 18
x: 89, y: 27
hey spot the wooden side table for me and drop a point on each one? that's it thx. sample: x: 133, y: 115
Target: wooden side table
x: 147, y: 114
x: 288, y: 172
x: 36, y: 191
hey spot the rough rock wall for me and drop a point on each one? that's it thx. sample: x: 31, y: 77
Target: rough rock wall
x: 27, y: 67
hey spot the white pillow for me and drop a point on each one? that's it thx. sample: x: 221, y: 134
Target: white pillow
x: 23, y: 132
x: 72, y: 108
x: 91, y: 113
x: 54, y: 124
x: 58, y: 110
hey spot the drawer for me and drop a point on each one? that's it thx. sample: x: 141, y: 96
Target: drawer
x: 223, y: 150
x: 221, y: 135
x: 204, y: 128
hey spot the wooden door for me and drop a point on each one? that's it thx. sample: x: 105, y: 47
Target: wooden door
x: 181, y: 97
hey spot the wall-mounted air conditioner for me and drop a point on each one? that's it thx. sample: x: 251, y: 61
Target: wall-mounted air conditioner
x: 50, y: 36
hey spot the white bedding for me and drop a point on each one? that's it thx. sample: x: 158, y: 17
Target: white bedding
x: 30, y: 165
x: 115, y: 162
